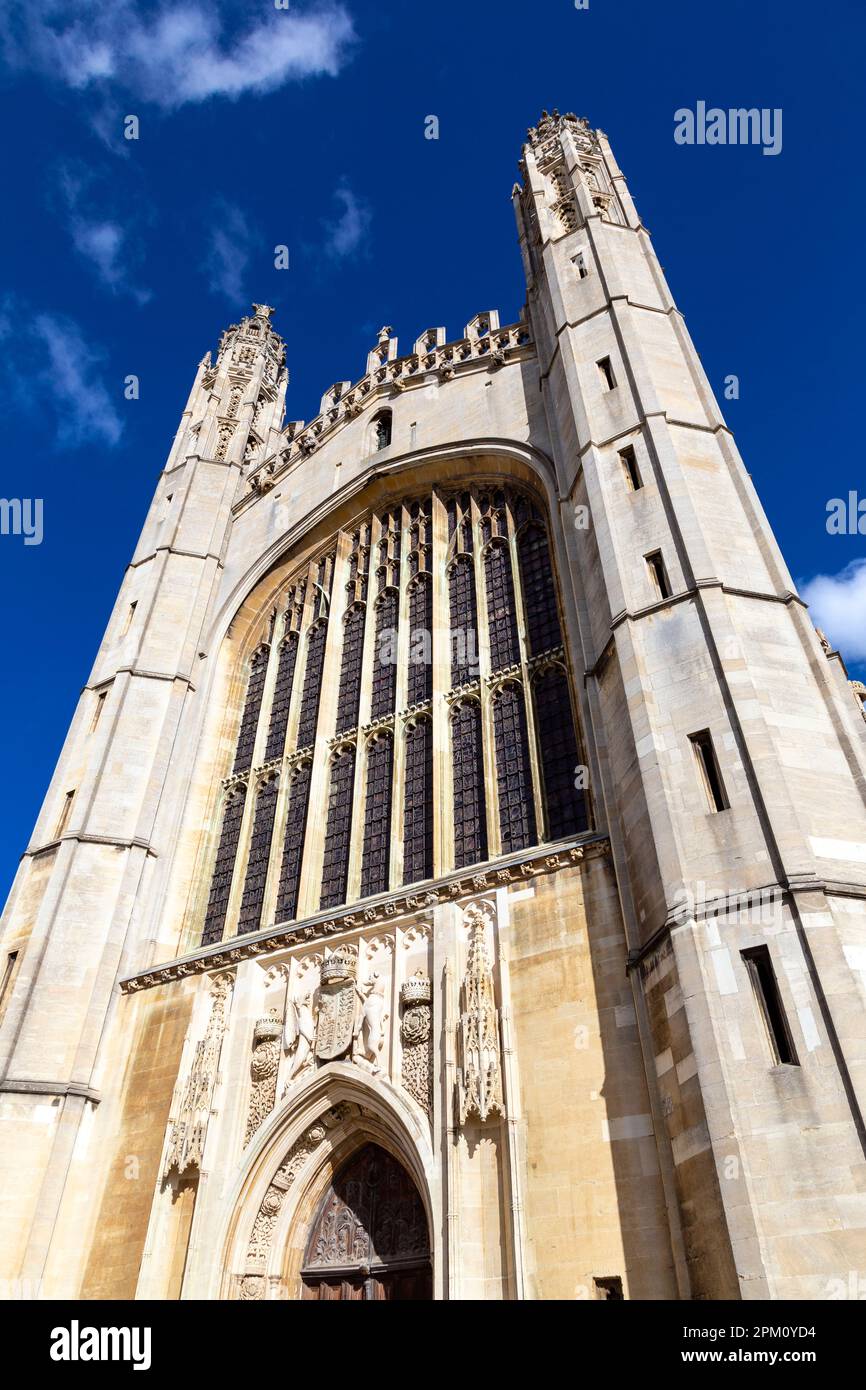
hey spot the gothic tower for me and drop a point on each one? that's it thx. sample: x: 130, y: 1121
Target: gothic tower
x: 453, y: 881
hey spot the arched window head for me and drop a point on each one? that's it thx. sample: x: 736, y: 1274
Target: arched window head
x: 382, y: 430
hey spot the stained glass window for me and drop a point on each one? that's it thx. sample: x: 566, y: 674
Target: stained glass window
x: 565, y: 803
x: 350, y: 673
x: 385, y: 656
x: 420, y: 683
x: 249, y: 917
x: 282, y: 697
x: 539, y: 594
x: 335, y: 865
x: 312, y: 684
x: 221, y: 883
x: 252, y: 707
x: 418, y: 807
x: 377, y: 816
x: 293, y: 843
x: 513, y: 770
x: 464, y: 621
x: 470, y: 824
x: 501, y: 614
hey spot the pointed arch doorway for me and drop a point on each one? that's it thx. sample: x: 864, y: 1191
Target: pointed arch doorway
x: 369, y: 1239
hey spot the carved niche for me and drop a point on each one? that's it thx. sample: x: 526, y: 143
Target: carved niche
x: 416, y: 1031
x: 189, y: 1127
x: 479, y: 1076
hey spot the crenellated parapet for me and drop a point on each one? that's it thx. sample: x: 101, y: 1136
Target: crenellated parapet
x: 485, y: 346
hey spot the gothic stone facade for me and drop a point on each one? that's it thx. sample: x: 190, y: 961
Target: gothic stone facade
x: 453, y: 882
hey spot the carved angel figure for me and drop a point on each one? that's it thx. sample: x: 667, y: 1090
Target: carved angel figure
x: 299, y: 1033
x: 370, y: 1018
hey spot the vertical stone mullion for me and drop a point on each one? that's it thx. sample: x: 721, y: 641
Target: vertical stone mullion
x: 398, y: 767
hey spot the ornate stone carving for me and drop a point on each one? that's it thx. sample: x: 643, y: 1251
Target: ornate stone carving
x: 300, y: 1034
x: 189, y: 1127
x: 263, y: 1069
x: 479, y: 1076
x: 335, y: 1026
x: 416, y: 1035
x: 252, y: 1283
x: 370, y: 1018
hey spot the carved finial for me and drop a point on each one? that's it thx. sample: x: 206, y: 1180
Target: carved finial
x: 385, y: 333
x: 263, y: 311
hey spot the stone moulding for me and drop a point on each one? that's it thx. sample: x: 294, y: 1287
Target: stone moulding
x: 513, y: 868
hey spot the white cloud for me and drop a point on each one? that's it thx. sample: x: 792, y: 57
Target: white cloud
x: 185, y: 51
x: 228, y: 252
x: 838, y: 606
x: 60, y: 370
x: 101, y: 241
x: 345, y: 234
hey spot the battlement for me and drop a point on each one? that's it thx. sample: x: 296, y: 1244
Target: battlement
x: 484, y: 345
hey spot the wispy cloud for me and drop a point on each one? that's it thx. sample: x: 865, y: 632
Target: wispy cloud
x: 345, y: 234
x: 60, y: 372
x: 838, y: 606
x: 101, y: 241
x: 228, y: 252
x: 182, y: 51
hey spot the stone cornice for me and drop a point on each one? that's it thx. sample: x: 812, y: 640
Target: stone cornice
x: 513, y: 868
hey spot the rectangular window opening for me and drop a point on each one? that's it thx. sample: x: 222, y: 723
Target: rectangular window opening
x: 64, y: 814
x: 763, y: 977
x: 630, y: 468
x: 609, y: 1287
x: 658, y: 574
x: 708, y: 765
x: 606, y: 370
x: 579, y: 263
x: 129, y: 617
x: 100, y: 703
x: 8, y: 972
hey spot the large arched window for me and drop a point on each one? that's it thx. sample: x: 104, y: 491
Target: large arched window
x: 249, y: 918
x: 513, y: 770
x: 385, y: 659
x: 418, y: 807
x: 501, y: 614
x: 464, y: 621
x: 252, y: 709
x: 565, y: 802
x: 338, y: 835
x: 293, y: 842
x: 221, y: 883
x: 501, y: 766
x: 470, y: 824
x: 282, y: 696
x: 350, y: 673
x: 420, y: 675
x: 377, y: 815
x: 539, y: 591
x: 312, y: 684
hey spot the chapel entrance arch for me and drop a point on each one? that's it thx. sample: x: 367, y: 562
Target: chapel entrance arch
x: 368, y: 1240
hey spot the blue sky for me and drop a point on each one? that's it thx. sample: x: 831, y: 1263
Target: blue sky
x: 261, y: 126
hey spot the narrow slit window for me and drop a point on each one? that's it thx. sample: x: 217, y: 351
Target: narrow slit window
x: 579, y: 263
x: 127, y: 623
x: 65, y: 811
x: 763, y: 977
x: 658, y: 574
x: 631, y: 470
x: 606, y: 372
x: 7, y: 978
x: 100, y: 705
x: 708, y: 766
